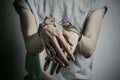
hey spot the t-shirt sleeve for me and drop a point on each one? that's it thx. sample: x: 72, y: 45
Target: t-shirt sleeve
x: 21, y: 3
x: 98, y: 4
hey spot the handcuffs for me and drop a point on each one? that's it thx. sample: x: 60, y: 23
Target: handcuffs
x: 69, y: 27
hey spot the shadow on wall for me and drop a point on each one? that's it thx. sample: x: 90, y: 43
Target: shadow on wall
x: 12, y: 45
x: 106, y: 62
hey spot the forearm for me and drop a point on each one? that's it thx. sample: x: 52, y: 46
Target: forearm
x: 34, y: 44
x: 87, y: 46
x: 29, y: 29
x: 89, y: 39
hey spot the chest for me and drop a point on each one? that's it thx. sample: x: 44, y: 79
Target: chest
x: 74, y: 11
x: 62, y: 6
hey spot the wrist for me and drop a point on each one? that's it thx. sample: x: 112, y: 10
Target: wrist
x: 79, y: 33
x: 69, y: 27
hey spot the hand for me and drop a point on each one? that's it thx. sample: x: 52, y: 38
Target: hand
x: 53, y: 36
x: 56, y: 67
x: 72, y: 38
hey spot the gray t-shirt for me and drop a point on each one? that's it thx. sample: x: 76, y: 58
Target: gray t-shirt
x: 74, y: 11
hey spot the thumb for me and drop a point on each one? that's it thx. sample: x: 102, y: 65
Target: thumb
x: 66, y: 36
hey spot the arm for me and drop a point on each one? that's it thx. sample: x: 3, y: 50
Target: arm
x: 89, y: 39
x: 88, y: 42
x: 33, y: 42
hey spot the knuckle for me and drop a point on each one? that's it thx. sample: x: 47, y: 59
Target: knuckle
x: 52, y: 38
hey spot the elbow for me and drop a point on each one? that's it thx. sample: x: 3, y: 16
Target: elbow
x: 88, y: 46
x: 34, y: 46
x: 28, y: 48
x: 34, y: 50
x: 29, y: 51
x: 89, y: 52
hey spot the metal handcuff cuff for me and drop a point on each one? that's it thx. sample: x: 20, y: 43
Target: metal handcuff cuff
x: 69, y: 27
x: 47, y: 21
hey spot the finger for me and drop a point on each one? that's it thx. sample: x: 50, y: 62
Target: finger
x: 47, y: 62
x: 51, y: 57
x: 50, y: 52
x: 60, y: 61
x: 53, y: 69
x: 59, y: 68
x: 65, y: 34
x: 57, y: 47
x: 53, y: 52
x: 55, y: 56
x: 68, y: 59
x: 59, y: 50
x: 65, y: 45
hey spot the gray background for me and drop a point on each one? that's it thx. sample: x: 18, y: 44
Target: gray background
x: 106, y: 57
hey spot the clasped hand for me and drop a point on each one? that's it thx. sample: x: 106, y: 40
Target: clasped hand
x: 59, y: 45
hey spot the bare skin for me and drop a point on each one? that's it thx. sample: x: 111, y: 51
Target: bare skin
x: 57, y: 60
x: 53, y: 36
x: 70, y: 36
x: 32, y: 40
x: 86, y: 45
x: 89, y: 39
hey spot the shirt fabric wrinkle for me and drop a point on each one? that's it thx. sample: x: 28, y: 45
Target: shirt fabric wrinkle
x: 74, y: 11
